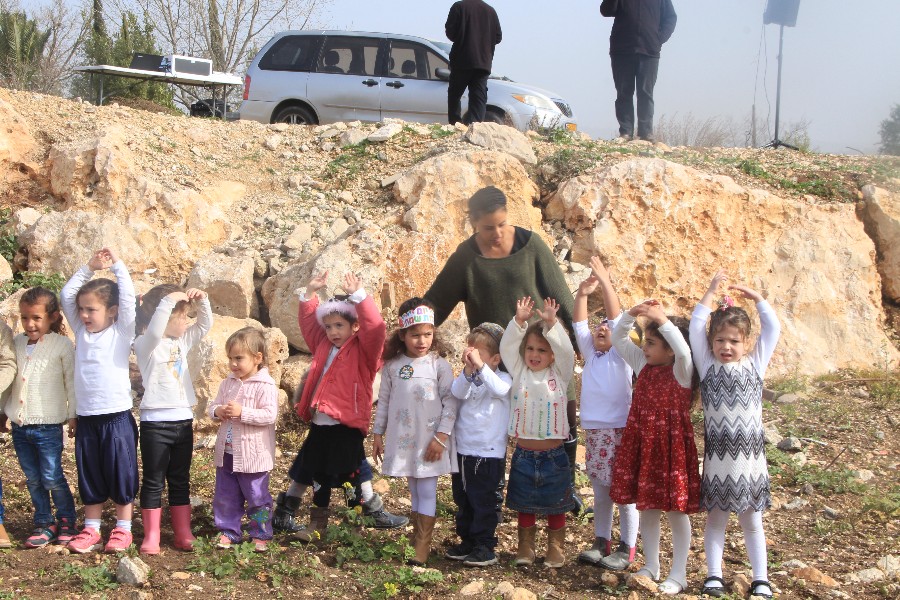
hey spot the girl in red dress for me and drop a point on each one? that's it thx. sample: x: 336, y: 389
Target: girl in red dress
x: 656, y: 466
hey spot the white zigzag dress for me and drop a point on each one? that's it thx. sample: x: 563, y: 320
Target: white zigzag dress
x: 735, y: 474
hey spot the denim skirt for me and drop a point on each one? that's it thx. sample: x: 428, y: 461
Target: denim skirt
x: 540, y: 482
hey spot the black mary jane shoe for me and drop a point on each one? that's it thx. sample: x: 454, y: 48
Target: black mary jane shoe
x: 714, y: 591
x: 760, y: 582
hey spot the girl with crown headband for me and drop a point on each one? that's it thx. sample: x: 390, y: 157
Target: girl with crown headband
x: 415, y: 417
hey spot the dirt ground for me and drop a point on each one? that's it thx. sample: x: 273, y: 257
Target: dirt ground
x: 854, y: 426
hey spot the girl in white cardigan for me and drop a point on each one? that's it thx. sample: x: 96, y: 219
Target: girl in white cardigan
x: 42, y: 398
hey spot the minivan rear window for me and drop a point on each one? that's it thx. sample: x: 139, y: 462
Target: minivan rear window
x: 291, y: 53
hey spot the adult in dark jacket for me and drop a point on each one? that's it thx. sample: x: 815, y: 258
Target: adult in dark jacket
x: 474, y: 29
x: 640, y: 29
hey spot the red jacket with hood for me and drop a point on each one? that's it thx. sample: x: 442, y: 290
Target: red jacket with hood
x: 345, y: 392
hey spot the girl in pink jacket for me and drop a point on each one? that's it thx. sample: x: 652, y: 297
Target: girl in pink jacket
x: 246, y: 407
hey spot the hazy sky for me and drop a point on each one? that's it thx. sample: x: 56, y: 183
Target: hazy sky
x: 841, y: 62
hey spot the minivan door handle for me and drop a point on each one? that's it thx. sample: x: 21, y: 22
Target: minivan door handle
x: 394, y: 84
x: 370, y: 82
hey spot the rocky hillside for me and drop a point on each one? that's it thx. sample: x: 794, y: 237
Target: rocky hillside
x: 248, y: 211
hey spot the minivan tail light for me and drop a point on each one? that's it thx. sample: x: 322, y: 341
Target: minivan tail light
x: 246, y: 87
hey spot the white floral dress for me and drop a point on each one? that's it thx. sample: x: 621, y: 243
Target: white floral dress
x: 414, y: 403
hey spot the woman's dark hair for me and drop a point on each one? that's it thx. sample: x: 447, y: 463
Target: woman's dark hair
x: 652, y: 328
x: 486, y: 201
x: 105, y: 289
x: 734, y: 316
x: 150, y: 301
x: 41, y: 295
x: 394, y: 345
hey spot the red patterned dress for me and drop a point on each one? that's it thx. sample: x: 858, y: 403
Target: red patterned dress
x: 656, y: 466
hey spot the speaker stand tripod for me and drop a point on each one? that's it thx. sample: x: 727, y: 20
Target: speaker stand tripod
x: 776, y: 143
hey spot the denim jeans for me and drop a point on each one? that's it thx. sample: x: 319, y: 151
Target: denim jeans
x: 540, y: 482
x: 39, y: 449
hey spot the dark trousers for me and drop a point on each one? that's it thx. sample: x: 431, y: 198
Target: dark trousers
x: 634, y: 73
x: 354, y: 496
x: 475, y: 494
x: 106, y: 458
x: 166, y: 451
x: 460, y: 79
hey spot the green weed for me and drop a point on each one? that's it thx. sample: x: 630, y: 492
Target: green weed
x: 352, y: 541
x: 92, y: 579
x: 438, y: 132
x: 387, y: 582
x: 788, y: 384
x: 349, y: 164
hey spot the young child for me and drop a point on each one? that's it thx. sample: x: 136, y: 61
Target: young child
x: 346, y: 337
x: 541, y: 360
x: 735, y: 475
x: 102, y: 314
x: 7, y: 375
x: 42, y: 399
x: 480, y: 435
x: 246, y: 407
x: 605, y: 401
x: 656, y: 464
x: 167, y: 417
x: 416, y: 413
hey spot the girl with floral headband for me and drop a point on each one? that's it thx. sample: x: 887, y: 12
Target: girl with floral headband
x: 415, y: 417
x: 735, y: 475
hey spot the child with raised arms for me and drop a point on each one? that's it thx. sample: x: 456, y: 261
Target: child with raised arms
x: 656, y: 464
x: 605, y: 402
x: 165, y: 336
x: 735, y: 474
x: 541, y: 360
x: 246, y: 408
x: 346, y: 337
x: 415, y: 416
x: 102, y: 314
x: 480, y: 433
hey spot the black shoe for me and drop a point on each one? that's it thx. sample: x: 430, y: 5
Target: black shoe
x: 374, y: 509
x: 713, y: 591
x: 283, y: 515
x: 481, y: 557
x: 460, y: 551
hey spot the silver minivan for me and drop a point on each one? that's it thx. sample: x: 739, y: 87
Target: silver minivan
x: 312, y: 77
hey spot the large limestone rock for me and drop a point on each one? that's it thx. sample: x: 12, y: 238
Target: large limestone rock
x: 436, y: 192
x: 16, y: 141
x: 5, y: 270
x: 228, y: 280
x: 173, y: 225
x: 880, y: 211
x: 502, y: 138
x: 664, y: 229
x: 208, y: 360
x: 296, y: 368
x: 361, y: 251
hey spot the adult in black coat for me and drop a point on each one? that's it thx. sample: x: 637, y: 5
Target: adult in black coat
x: 640, y: 29
x: 474, y: 29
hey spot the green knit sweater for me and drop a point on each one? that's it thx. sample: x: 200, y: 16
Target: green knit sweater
x: 489, y: 287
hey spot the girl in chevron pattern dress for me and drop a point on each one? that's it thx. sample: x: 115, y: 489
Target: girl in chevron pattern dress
x: 735, y: 475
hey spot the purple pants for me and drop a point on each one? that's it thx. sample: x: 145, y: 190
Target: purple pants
x: 233, y: 490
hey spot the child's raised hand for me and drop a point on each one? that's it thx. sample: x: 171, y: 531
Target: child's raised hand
x: 317, y: 282
x: 378, y: 448
x: 589, y: 285
x: 178, y: 297
x: 599, y: 269
x: 100, y: 260
x: 111, y: 256
x: 351, y: 283
x: 524, y: 310
x: 718, y: 280
x: 436, y: 448
x: 548, y: 313
x: 195, y: 294
x: 747, y: 292
x: 656, y: 314
x: 640, y: 310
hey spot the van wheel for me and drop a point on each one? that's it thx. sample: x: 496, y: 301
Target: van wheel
x: 295, y: 115
x: 493, y: 115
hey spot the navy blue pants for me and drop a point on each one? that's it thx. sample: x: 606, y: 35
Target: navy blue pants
x: 634, y: 73
x: 106, y: 457
x: 475, y: 494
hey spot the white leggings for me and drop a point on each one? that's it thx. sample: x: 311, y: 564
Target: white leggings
x: 754, y: 540
x: 603, y: 516
x: 423, y: 495
x: 681, y: 543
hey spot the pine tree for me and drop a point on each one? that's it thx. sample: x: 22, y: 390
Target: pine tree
x: 890, y: 133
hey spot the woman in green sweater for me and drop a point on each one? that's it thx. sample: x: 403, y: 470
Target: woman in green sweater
x: 496, y: 266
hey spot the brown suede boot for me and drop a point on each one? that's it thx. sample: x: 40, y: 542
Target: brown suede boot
x: 525, y: 552
x: 318, y: 526
x: 423, y: 539
x: 4, y: 538
x: 556, y: 538
x: 414, y: 521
